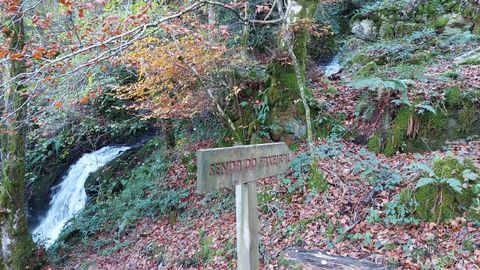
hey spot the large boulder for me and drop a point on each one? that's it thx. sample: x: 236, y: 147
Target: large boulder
x: 365, y: 29
x: 455, y: 24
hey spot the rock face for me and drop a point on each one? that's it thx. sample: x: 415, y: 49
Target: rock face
x: 455, y: 24
x: 365, y: 29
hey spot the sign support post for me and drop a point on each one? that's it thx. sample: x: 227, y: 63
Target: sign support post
x: 241, y: 166
x: 247, y: 226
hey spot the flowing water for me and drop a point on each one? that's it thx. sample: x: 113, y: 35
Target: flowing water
x: 332, y: 68
x: 69, y: 197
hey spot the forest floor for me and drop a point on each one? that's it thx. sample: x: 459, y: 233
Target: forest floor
x: 356, y: 217
x: 338, y: 221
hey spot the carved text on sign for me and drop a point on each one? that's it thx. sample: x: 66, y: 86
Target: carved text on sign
x: 225, y: 167
x: 248, y: 164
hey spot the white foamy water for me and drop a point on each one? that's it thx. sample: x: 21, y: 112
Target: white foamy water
x: 69, y: 197
x: 332, y: 68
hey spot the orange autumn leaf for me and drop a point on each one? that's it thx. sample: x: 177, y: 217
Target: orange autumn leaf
x: 80, y: 13
x: 84, y: 100
x: 66, y: 2
x: 3, y: 53
x: 16, y: 56
x: 37, y: 55
x: 58, y: 105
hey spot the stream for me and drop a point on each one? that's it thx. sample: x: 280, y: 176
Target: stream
x: 69, y: 197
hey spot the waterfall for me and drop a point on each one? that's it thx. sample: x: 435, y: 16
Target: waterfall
x: 332, y: 68
x: 69, y: 197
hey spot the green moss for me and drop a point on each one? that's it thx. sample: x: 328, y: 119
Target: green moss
x: 406, y: 28
x: 374, y: 144
x: 474, y: 60
x: 453, y: 96
x: 433, y: 123
x: 393, y: 143
x: 357, y: 17
x: 264, y: 198
x: 396, y: 135
x: 476, y: 27
x: 467, y: 244
x: 418, y: 58
x: 387, y: 31
x: 441, y: 202
x: 317, y: 180
x: 367, y: 70
x: 432, y: 210
x: 440, y: 22
x: 466, y: 116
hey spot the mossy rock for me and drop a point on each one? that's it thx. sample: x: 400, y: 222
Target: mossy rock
x: 476, y: 27
x: 397, y: 134
x: 453, y: 96
x: 375, y: 144
x: 317, y: 180
x: 437, y: 203
x: 419, y: 58
x: 466, y: 116
x: 433, y: 123
x: 387, y: 31
x: 440, y: 23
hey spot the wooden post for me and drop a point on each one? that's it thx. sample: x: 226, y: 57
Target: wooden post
x: 247, y: 226
x: 241, y: 166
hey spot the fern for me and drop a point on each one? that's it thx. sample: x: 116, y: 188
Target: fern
x: 436, y: 180
x: 425, y: 182
x: 455, y: 184
x: 379, y: 85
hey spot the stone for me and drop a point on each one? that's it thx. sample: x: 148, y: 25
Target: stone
x: 365, y: 29
x: 386, y: 31
x: 276, y: 132
x: 456, y: 24
x: 297, y: 128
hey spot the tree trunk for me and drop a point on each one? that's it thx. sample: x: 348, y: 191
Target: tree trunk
x: 16, y: 243
x: 285, y: 89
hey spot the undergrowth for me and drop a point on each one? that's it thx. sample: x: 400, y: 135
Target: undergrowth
x: 146, y: 194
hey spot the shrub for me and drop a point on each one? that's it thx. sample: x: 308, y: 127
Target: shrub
x: 445, y: 191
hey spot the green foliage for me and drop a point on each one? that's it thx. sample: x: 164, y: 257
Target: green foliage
x: 466, y: 116
x: 369, y: 167
x: 145, y: 195
x: 433, y: 123
x: 374, y: 144
x: 385, y: 7
x: 379, y: 85
x: 440, y: 22
x: 445, y: 190
x: 317, y: 181
x: 367, y: 70
x: 397, y: 134
x: 453, y: 96
x: 365, y: 107
x: 206, y: 252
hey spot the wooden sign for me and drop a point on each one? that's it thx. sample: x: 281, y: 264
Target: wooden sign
x: 226, y: 167
x: 240, y: 166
